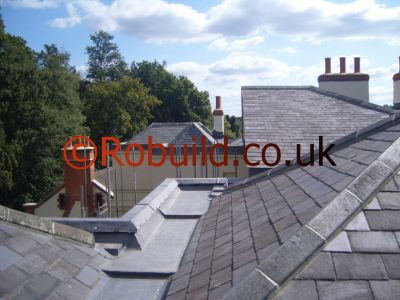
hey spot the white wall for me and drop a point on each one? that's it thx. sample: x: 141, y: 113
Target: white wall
x: 353, y: 89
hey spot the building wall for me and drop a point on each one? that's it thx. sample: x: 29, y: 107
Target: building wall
x: 49, y: 207
x: 353, y: 89
x: 147, y: 178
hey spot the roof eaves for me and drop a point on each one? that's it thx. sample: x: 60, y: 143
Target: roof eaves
x: 292, y: 255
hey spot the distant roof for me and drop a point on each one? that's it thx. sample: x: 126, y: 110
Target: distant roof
x: 293, y: 115
x: 178, y: 133
x: 262, y: 230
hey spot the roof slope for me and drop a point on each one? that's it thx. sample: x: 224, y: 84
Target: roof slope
x: 174, y: 133
x: 288, y: 116
x: 362, y: 261
x: 249, y: 222
x: 35, y: 265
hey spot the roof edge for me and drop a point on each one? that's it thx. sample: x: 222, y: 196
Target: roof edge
x: 45, y: 225
x: 286, y: 261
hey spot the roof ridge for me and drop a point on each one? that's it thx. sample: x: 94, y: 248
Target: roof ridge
x: 351, y: 100
x: 306, y: 243
x: 339, y: 143
x: 45, y: 225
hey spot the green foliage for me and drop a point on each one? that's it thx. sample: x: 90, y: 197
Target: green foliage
x: 105, y: 60
x: 180, y: 100
x: 228, y: 130
x: 118, y: 108
x: 235, y: 125
x: 39, y: 108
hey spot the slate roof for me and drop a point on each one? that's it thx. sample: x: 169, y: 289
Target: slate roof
x: 130, y: 257
x: 39, y: 265
x: 293, y: 115
x: 362, y: 261
x: 264, y: 227
x: 178, y: 133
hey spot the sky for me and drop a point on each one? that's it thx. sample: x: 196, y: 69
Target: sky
x: 223, y: 45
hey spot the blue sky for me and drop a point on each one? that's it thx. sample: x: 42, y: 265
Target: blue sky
x: 222, y: 45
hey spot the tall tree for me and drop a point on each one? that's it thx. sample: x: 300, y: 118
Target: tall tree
x: 118, y: 108
x: 39, y: 108
x: 105, y: 60
x: 180, y: 100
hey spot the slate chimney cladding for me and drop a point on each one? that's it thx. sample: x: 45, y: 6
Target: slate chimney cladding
x: 354, y: 85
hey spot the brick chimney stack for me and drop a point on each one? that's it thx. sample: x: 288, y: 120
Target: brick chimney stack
x: 76, y: 178
x: 218, y: 117
x: 353, y: 85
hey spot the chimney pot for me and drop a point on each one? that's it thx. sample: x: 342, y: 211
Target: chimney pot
x: 357, y: 65
x: 218, y: 102
x: 327, y: 65
x: 343, y: 65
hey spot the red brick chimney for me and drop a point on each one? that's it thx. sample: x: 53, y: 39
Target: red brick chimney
x: 76, y: 178
x: 353, y: 85
x: 218, y: 117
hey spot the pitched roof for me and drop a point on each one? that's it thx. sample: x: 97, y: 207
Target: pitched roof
x: 294, y: 115
x: 264, y: 221
x: 178, y: 133
x: 362, y: 261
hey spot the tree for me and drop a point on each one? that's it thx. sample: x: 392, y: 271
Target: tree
x: 105, y: 60
x: 180, y: 100
x: 235, y: 124
x: 118, y: 108
x: 39, y: 108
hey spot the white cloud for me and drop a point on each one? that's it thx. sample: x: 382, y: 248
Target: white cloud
x: 235, y: 22
x: 288, y: 50
x: 222, y: 44
x: 34, y: 4
x: 70, y: 21
x: 225, y: 77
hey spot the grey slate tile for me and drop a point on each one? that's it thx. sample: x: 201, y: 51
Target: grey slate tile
x: 345, y: 290
x: 62, y: 270
x: 42, y: 285
x: 321, y: 267
x: 392, y: 264
x: 31, y: 264
x: 373, y: 205
x: 386, y: 290
x: 243, y: 271
x: 356, y: 266
x: 22, y: 244
x: 373, y: 241
x: 179, y: 284
x: 220, y: 277
x: 7, y: 257
x: 299, y: 290
x: 339, y: 244
x: 88, y: 276
x: 11, y: 278
x: 217, y: 293
x: 358, y: 223
x: 72, y: 290
x: 383, y: 220
x: 389, y: 200
x: 76, y: 257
